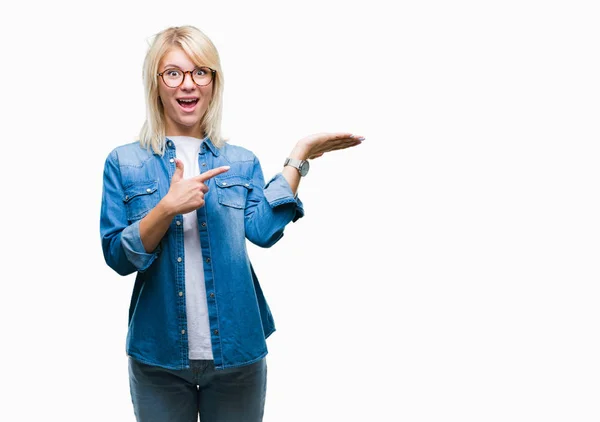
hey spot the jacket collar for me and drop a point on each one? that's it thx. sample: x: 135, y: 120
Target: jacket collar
x: 211, y: 146
x: 205, y: 142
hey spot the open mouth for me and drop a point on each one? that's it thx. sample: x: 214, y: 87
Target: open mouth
x: 188, y: 104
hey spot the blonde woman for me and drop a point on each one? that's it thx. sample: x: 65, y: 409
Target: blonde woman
x: 177, y: 208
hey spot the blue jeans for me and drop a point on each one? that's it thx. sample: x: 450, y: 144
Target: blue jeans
x: 227, y: 395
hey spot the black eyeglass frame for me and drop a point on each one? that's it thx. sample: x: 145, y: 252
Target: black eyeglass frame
x: 212, y: 77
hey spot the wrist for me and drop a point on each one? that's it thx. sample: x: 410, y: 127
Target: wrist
x: 165, y: 209
x: 300, y: 152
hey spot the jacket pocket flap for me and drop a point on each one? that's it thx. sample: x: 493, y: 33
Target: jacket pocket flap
x: 228, y: 181
x: 140, y: 188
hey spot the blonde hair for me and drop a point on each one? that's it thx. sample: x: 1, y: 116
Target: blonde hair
x: 202, y: 52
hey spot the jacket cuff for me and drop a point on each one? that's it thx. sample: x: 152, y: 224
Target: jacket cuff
x: 278, y: 192
x: 134, y: 249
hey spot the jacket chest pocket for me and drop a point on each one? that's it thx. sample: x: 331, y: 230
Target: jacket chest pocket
x: 232, y: 191
x: 140, y: 198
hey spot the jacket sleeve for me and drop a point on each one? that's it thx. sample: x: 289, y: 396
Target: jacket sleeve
x: 121, y: 243
x: 269, y: 208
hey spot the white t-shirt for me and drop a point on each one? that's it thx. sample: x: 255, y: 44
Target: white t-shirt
x: 198, y: 329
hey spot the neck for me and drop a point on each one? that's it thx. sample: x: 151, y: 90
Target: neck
x: 195, y: 132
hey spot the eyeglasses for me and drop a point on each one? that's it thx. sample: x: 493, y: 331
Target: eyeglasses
x: 173, y: 78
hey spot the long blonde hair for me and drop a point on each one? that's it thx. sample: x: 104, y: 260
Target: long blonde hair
x: 201, y: 51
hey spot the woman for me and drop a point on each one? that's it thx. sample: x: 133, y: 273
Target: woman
x: 177, y: 208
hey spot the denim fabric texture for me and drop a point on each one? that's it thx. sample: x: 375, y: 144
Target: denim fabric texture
x: 230, y: 395
x: 239, y: 206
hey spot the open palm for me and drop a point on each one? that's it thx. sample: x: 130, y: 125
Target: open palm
x: 314, y: 146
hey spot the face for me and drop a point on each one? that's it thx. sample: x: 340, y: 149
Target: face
x: 182, y: 118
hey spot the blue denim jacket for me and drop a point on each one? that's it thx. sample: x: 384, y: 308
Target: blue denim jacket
x: 238, y: 206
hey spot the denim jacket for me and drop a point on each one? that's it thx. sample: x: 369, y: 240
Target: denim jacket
x: 238, y: 206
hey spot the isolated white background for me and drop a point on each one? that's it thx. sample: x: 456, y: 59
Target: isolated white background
x: 446, y: 269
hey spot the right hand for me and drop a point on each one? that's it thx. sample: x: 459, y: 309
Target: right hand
x: 186, y: 195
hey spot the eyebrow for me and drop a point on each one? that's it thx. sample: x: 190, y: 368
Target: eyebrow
x: 169, y: 65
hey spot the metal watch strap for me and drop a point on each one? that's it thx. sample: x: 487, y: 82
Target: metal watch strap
x: 294, y: 162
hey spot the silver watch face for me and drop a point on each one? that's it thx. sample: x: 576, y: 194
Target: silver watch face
x: 304, y: 168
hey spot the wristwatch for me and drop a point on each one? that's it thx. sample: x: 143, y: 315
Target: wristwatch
x: 301, y: 165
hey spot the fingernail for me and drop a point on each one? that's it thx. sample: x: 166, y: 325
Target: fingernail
x: 362, y: 138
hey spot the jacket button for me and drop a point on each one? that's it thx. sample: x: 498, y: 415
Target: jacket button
x: 179, y: 259
x: 216, y: 332
x: 204, y: 224
x: 207, y: 259
x: 182, y: 332
x: 212, y: 294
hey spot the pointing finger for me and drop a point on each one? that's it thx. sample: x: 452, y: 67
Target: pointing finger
x: 212, y: 173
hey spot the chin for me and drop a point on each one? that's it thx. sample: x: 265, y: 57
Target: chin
x: 189, y: 121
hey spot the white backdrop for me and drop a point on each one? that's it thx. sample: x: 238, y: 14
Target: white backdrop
x: 446, y: 269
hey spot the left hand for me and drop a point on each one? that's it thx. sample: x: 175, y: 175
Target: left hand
x: 313, y: 146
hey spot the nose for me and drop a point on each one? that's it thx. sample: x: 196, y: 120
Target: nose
x: 188, y: 82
